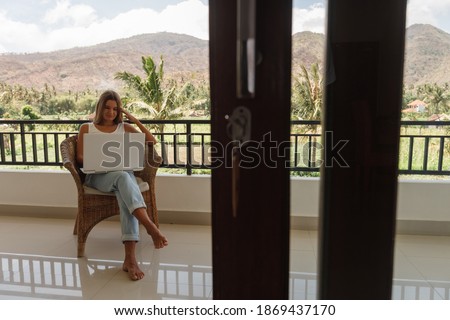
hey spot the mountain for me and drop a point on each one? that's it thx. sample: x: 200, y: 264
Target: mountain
x: 94, y: 67
x: 307, y: 48
x: 427, y: 53
x: 427, y: 59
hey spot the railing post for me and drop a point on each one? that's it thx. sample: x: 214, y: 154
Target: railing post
x: 12, y: 144
x: 23, y: 142
x: 441, y: 152
x: 163, y: 150
x: 2, y: 148
x: 425, y: 153
x: 189, y: 149
x: 411, y: 152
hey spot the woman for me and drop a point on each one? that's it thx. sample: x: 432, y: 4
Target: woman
x: 108, y: 119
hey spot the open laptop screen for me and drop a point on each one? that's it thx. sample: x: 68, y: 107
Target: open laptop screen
x: 113, y: 152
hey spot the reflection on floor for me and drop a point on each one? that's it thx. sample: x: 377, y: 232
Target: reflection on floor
x: 38, y: 261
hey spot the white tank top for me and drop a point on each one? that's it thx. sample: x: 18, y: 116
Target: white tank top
x: 93, y: 129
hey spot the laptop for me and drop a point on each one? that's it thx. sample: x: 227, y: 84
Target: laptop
x: 113, y: 152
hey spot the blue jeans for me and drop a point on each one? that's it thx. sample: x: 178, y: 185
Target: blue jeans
x: 129, y: 197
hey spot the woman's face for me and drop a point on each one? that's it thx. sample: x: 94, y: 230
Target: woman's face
x: 110, y: 111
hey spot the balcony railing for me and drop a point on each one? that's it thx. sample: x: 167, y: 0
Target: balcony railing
x: 186, y: 144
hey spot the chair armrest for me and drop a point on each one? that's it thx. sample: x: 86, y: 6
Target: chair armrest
x: 151, y: 164
x: 76, y: 176
x: 68, y: 155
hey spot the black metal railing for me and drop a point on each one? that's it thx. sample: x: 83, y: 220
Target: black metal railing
x: 427, y: 146
x: 186, y: 144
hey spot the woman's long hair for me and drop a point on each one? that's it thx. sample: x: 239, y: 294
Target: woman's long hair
x: 105, y: 96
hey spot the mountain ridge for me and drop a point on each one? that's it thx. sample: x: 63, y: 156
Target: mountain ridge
x: 427, y: 59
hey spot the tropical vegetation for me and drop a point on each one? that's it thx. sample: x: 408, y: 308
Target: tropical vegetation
x: 150, y: 97
x: 307, y: 94
x: 154, y: 97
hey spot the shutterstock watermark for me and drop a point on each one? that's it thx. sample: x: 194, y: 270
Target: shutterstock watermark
x: 247, y: 155
x: 332, y: 151
x: 267, y: 152
x: 113, y: 150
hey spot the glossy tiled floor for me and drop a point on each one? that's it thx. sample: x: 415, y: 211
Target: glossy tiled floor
x: 38, y: 261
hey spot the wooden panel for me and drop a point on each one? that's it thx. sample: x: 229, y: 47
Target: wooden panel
x: 251, y: 250
x: 359, y: 188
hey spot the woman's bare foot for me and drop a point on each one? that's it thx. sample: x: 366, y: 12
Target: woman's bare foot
x: 130, y: 264
x: 133, y: 270
x: 159, y: 240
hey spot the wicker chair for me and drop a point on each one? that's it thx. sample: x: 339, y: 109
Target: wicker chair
x: 95, y: 206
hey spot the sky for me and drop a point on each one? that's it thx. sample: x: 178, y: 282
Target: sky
x: 49, y: 25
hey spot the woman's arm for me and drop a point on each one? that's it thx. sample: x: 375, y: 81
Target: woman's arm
x: 83, y: 129
x: 129, y: 128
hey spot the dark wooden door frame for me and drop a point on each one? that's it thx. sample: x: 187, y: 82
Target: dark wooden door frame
x: 251, y: 249
x: 362, y: 107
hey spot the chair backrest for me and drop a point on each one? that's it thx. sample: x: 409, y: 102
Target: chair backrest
x: 68, y: 148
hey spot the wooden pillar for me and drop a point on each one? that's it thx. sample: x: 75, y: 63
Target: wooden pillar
x: 250, y: 199
x: 361, y: 123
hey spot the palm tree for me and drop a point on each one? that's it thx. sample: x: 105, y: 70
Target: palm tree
x: 153, y: 98
x: 307, y: 94
x: 437, y: 97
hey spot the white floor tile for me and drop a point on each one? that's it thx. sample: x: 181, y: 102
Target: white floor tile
x: 38, y: 261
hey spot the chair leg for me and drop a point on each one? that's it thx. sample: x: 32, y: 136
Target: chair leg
x: 80, y: 249
x: 75, y: 227
x: 151, y: 208
x: 82, y: 235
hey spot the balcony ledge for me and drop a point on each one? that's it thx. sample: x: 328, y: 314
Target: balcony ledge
x: 422, y: 206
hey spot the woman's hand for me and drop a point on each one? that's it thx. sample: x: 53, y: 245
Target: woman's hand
x: 148, y: 136
x: 129, y: 116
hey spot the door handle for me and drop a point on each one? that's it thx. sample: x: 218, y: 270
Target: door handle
x: 239, y: 131
x: 246, y: 48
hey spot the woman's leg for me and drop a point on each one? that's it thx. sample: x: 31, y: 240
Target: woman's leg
x: 130, y: 237
x: 130, y: 228
x: 130, y: 264
x: 132, y: 209
x: 133, y: 205
x: 159, y: 240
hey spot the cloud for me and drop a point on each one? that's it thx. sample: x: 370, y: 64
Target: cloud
x: 66, y: 26
x: 189, y: 16
x: 433, y: 12
x: 16, y: 36
x: 64, y: 13
x: 309, y: 19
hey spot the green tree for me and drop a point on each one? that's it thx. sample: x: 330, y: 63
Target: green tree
x: 57, y: 106
x: 408, y: 95
x: 6, y: 96
x: 28, y: 113
x: 153, y: 98
x: 307, y: 97
x: 192, y: 97
x: 437, y: 97
x: 307, y: 94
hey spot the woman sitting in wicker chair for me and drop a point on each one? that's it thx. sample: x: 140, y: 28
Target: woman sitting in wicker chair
x: 108, y: 119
